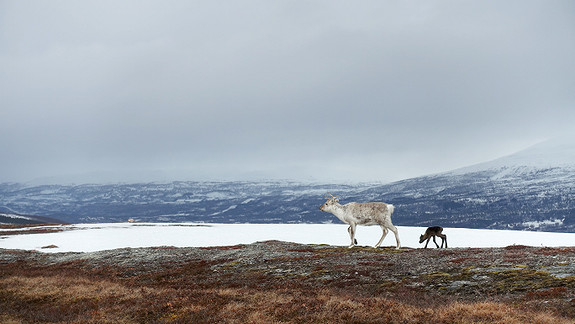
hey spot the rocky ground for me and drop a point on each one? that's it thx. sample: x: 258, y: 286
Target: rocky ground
x: 526, y: 281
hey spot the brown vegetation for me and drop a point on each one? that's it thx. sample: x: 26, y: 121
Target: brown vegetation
x: 17, y: 229
x: 275, y: 282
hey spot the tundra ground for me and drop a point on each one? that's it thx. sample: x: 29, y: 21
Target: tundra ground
x: 277, y: 282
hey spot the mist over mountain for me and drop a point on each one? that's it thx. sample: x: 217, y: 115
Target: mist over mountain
x: 529, y: 190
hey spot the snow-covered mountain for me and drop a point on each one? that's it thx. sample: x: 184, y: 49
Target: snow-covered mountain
x: 558, y: 154
x: 223, y: 202
x: 532, y: 189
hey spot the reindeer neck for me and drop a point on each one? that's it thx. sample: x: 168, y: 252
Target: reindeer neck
x: 339, y: 210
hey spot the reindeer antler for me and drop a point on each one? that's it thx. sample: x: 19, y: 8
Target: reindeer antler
x: 332, y: 197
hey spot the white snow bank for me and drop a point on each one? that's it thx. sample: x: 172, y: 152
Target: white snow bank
x: 96, y: 237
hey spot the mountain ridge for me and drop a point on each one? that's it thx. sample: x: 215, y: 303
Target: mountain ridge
x: 528, y: 190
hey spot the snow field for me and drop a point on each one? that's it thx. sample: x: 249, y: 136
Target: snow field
x: 97, y: 237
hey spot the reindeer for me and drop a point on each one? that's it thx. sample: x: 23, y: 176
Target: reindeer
x: 433, y: 232
x: 373, y: 213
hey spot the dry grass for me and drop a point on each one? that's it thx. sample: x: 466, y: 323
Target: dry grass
x: 65, y: 298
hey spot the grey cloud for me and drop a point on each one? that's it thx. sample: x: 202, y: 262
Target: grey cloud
x: 371, y: 90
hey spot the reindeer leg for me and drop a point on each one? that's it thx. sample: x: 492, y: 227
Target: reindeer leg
x: 394, y: 230
x: 444, y: 238
x: 382, y: 236
x: 351, y: 230
x: 350, y: 235
x: 435, y: 242
x: 427, y: 242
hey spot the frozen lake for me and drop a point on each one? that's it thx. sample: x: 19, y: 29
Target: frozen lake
x: 95, y: 237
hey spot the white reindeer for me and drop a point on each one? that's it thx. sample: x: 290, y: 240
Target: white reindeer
x: 373, y: 213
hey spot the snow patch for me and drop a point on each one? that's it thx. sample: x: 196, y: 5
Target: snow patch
x: 225, y: 210
x: 547, y: 222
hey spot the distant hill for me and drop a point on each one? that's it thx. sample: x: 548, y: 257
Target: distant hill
x: 9, y: 218
x: 532, y: 190
x: 223, y: 202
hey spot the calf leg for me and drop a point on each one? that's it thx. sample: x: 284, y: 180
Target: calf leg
x: 436, y: 242
x: 444, y: 240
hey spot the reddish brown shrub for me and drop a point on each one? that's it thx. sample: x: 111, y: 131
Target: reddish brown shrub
x: 558, y: 292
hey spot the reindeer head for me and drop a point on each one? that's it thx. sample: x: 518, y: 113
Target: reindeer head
x: 331, y: 201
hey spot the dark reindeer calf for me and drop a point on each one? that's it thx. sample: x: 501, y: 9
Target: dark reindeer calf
x: 433, y: 232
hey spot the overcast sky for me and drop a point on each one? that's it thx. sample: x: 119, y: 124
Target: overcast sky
x: 309, y: 90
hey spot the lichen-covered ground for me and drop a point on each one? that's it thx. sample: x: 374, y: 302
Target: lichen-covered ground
x: 277, y: 281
